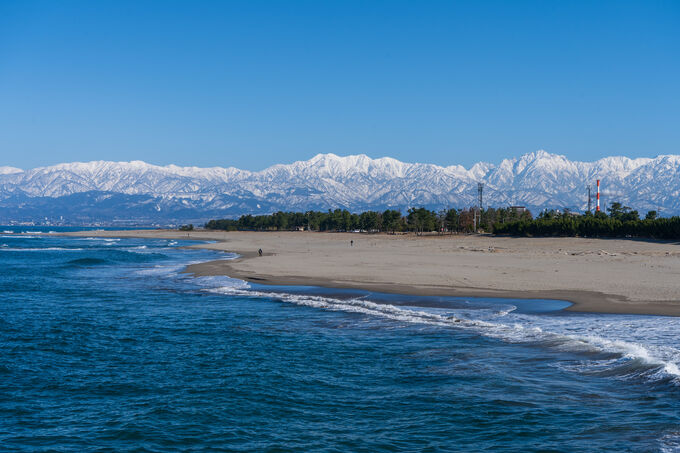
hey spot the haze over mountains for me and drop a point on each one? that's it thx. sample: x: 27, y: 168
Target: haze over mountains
x: 135, y: 191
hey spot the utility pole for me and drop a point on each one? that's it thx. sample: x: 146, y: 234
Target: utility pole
x: 478, y: 211
x: 590, y: 199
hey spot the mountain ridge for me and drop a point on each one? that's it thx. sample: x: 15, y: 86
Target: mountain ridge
x: 538, y: 180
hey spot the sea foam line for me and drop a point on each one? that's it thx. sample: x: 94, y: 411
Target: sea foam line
x: 19, y: 249
x: 626, y: 352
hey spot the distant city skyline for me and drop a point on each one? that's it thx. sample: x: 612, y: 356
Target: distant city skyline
x: 254, y: 84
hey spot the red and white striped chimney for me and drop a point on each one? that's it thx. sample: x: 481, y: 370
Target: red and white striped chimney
x: 598, y: 196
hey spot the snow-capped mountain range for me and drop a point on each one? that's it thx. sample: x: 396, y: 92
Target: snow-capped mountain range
x: 106, y: 191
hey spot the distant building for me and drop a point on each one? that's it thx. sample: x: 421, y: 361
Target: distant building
x: 518, y: 209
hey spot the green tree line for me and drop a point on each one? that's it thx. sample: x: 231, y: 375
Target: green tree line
x: 621, y: 221
x: 418, y: 220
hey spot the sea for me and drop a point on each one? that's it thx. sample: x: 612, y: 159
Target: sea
x: 106, y: 345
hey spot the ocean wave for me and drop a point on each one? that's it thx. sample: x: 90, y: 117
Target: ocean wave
x: 143, y: 250
x: 670, y: 442
x: 128, y: 255
x: 162, y: 270
x: 87, y: 262
x: 23, y: 234
x: 42, y: 249
x: 173, y: 269
x: 506, y: 310
x: 613, y: 357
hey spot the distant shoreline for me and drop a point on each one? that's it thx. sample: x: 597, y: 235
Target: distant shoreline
x: 597, y: 275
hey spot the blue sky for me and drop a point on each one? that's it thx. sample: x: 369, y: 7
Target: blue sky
x: 254, y: 83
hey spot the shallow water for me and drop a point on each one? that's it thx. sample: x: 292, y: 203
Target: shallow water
x: 106, y: 345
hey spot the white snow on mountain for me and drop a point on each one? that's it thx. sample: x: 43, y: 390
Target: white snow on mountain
x: 537, y: 180
x: 9, y: 170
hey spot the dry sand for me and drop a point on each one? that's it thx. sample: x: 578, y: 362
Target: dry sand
x: 597, y: 275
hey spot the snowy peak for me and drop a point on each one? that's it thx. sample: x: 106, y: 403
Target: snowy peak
x: 333, y: 165
x: 357, y: 182
x: 10, y: 170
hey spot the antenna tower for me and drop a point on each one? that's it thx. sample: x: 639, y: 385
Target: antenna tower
x: 590, y: 198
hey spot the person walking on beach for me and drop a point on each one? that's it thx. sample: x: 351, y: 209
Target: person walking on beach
x: 351, y: 243
x: 260, y: 252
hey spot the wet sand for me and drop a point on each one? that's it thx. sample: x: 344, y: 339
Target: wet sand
x: 596, y: 275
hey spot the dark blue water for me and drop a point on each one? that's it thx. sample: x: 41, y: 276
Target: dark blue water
x: 106, y: 346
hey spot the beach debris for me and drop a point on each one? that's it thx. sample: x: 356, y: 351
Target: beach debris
x: 604, y: 252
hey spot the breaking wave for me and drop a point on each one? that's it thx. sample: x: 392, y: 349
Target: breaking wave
x: 595, y: 354
x: 43, y: 249
x: 87, y: 262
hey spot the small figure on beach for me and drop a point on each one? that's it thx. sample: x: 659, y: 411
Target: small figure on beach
x: 260, y: 252
x: 351, y: 243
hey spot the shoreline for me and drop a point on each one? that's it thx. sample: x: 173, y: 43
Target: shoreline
x: 581, y: 301
x: 375, y: 263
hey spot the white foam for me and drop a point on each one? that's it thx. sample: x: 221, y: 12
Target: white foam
x: 670, y: 442
x: 15, y: 249
x: 140, y: 250
x: 221, y: 282
x: 564, y: 333
x: 161, y: 270
x: 506, y: 311
x: 166, y: 269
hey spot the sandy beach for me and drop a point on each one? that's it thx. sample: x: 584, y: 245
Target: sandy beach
x: 597, y: 275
